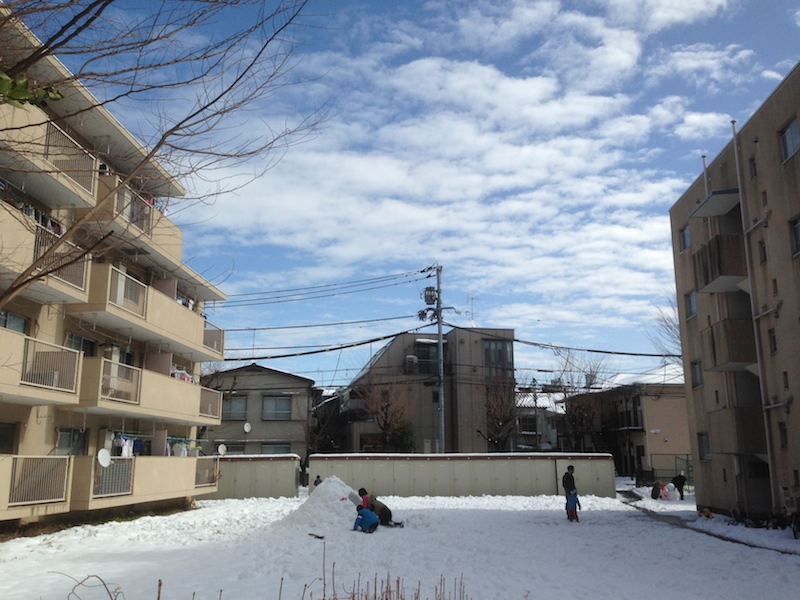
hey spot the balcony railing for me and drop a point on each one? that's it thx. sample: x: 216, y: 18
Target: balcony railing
x: 214, y: 337
x: 210, y: 403
x: 114, y: 480
x: 50, y: 366
x: 127, y: 293
x: 68, y: 156
x: 39, y: 479
x: 136, y: 209
x: 121, y: 382
x: 206, y: 472
x: 71, y: 258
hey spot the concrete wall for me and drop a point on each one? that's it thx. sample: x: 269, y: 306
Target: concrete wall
x: 261, y: 476
x: 496, y: 474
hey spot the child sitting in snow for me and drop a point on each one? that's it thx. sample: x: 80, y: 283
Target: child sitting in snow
x: 573, y: 504
x: 366, y: 520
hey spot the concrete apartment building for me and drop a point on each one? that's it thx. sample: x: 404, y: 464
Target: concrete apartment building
x: 736, y: 246
x: 478, y: 374
x: 264, y: 411
x: 100, y: 401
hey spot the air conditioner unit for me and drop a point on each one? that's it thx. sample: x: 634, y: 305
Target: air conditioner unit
x: 412, y: 364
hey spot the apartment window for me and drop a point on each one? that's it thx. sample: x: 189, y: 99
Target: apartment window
x: 233, y: 448
x: 786, y: 380
x: 690, y: 301
x: 13, y: 321
x: 704, y: 446
x: 276, y: 448
x: 790, y: 140
x: 795, y: 233
x: 71, y: 442
x: 762, y: 251
x: 276, y: 408
x: 427, y: 357
x: 783, y: 435
x: 697, y: 373
x: 83, y: 344
x: 234, y: 408
x: 684, y: 239
x: 774, y: 287
x: 772, y: 337
x: 8, y: 440
x: 498, y: 358
x: 753, y: 169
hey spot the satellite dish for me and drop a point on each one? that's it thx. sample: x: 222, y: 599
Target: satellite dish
x: 104, y: 457
x: 247, y: 427
x: 222, y: 449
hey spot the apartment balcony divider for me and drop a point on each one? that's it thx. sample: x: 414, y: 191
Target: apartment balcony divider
x: 128, y: 293
x: 206, y: 471
x: 73, y: 260
x: 210, y: 403
x: 213, y: 337
x: 136, y: 209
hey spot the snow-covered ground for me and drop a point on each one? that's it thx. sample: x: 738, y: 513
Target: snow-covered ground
x: 481, y: 548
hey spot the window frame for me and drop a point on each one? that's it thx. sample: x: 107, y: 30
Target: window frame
x: 790, y: 140
x: 276, y: 413
x: 696, y: 367
x: 794, y: 234
x: 228, y: 412
x: 684, y: 238
x: 13, y: 322
x: 690, y: 304
x: 286, y: 447
x: 703, y: 445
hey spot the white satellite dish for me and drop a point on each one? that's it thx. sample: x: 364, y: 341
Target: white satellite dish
x: 222, y: 449
x: 104, y: 457
x: 247, y: 427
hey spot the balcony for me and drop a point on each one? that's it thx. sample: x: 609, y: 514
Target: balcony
x: 139, y: 479
x: 54, y: 166
x: 37, y: 486
x: 717, y: 203
x: 117, y: 301
x: 24, y: 240
x: 729, y: 345
x: 720, y: 266
x: 37, y: 372
x: 114, y: 388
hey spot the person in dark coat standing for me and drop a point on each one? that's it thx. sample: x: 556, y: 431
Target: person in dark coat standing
x: 568, y: 483
x: 679, y: 481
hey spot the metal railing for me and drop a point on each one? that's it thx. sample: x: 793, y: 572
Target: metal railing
x: 121, y: 382
x: 114, y: 480
x: 210, y: 402
x: 38, y: 479
x: 136, y: 209
x: 214, y: 337
x: 127, y: 293
x: 206, y: 472
x: 70, y: 157
x: 73, y: 258
x: 50, y: 366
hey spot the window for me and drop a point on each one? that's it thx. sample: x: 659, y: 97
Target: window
x: 498, y: 358
x: 684, y: 238
x: 704, y: 446
x: 427, y: 358
x: 772, y: 337
x: 85, y: 345
x: 790, y: 140
x: 71, y: 442
x: 234, y: 408
x: 234, y: 448
x: 753, y: 167
x: 276, y: 408
x: 697, y: 373
x: 774, y: 287
x: 8, y: 440
x: 786, y: 380
x: 690, y: 301
x: 13, y: 321
x: 795, y: 233
x: 276, y: 448
x: 783, y: 435
x: 762, y: 251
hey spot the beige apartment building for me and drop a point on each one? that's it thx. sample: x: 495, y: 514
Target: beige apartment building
x: 401, y: 381
x: 736, y: 246
x: 100, y: 401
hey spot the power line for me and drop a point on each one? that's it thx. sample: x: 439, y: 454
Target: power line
x: 314, y: 325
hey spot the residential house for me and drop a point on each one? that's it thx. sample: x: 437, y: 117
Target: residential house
x: 99, y: 358
x: 393, y: 404
x: 736, y: 248
x: 264, y: 411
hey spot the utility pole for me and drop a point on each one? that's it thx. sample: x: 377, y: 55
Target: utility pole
x: 433, y: 296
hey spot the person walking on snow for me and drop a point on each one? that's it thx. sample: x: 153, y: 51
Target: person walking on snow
x: 573, y: 504
x: 568, y: 482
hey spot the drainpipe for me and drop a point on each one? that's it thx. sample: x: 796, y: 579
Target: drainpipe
x: 762, y: 375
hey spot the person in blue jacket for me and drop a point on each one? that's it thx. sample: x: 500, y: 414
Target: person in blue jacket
x: 366, y: 520
x: 573, y: 504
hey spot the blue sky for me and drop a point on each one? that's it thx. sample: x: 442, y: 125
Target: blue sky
x: 531, y: 148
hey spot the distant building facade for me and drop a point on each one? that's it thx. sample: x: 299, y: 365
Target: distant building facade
x: 401, y: 381
x: 736, y: 247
